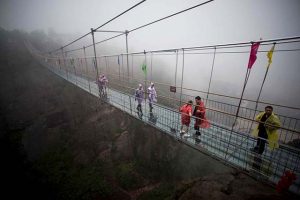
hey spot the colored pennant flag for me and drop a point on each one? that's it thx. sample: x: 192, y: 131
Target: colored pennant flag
x: 270, y: 55
x: 252, y: 58
x: 144, y: 68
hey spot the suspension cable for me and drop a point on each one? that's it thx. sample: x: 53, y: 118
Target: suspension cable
x: 153, y: 22
x: 99, y: 26
x: 218, y: 46
x: 120, y: 14
x: 172, y: 15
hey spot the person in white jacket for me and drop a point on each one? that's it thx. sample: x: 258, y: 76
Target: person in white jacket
x: 152, y: 96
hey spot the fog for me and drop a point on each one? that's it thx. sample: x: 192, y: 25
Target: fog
x: 214, y: 23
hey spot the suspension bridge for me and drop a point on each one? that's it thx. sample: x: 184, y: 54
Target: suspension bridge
x: 219, y: 141
x: 229, y: 137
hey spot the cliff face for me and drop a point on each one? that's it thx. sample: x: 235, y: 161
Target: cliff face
x: 63, y: 143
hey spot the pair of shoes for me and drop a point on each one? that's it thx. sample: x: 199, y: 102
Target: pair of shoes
x: 181, y: 133
x: 198, y: 133
x: 186, y: 135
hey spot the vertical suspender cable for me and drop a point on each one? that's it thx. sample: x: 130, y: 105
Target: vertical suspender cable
x: 176, y: 67
x: 145, y: 73
x: 107, y: 74
x: 63, y: 57
x: 73, y: 63
x: 151, y: 57
x: 122, y: 68
x: 80, y: 66
x: 86, y: 66
x: 126, y: 33
x: 132, y: 66
x: 211, y: 73
x: 128, y: 78
x: 262, y: 85
x: 95, y: 59
x: 119, y: 68
x: 95, y: 54
x: 182, y: 72
x: 106, y: 66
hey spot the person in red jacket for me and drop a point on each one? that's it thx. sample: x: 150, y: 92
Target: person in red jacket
x: 200, y: 118
x: 286, y: 181
x: 186, y: 113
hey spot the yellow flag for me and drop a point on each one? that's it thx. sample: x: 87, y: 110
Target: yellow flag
x: 270, y: 55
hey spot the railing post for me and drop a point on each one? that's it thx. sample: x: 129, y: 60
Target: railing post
x: 176, y: 69
x: 123, y: 75
x: 119, y: 68
x: 107, y: 71
x: 132, y: 67
x: 146, y: 92
x: 182, y: 72
x: 95, y: 57
x: 73, y: 62
x: 86, y: 67
x: 126, y: 34
x: 151, y: 58
x: 106, y: 66
x: 51, y: 65
x: 63, y: 56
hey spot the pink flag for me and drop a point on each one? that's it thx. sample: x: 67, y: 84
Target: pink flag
x: 252, y: 58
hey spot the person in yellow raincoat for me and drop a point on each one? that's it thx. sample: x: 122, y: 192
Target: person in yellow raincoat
x: 267, y: 128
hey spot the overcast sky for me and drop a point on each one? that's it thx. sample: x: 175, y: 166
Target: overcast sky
x: 221, y: 21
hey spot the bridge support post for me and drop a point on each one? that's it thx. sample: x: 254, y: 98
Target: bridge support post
x: 86, y: 67
x: 181, y: 85
x: 126, y: 34
x: 75, y: 71
x: 182, y: 72
x: 63, y: 57
x: 95, y: 57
